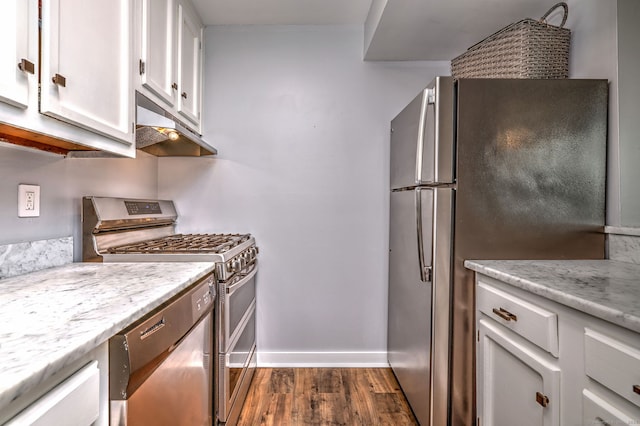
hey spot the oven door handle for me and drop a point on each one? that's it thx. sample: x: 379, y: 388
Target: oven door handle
x: 245, y: 279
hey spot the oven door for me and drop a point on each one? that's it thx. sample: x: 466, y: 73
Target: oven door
x: 234, y: 299
x: 236, y: 368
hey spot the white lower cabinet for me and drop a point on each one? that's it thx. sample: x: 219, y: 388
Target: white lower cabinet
x: 599, y: 412
x: 518, y: 385
x: 75, y: 401
x: 534, y: 370
x: 77, y: 395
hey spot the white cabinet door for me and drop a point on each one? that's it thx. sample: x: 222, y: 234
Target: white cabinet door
x: 85, y: 69
x: 158, y: 38
x: 190, y: 62
x: 516, y: 385
x: 14, y: 33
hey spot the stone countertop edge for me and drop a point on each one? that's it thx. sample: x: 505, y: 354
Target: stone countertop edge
x: 622, y: 230
x: 606, y: 289
x: 51, y: 318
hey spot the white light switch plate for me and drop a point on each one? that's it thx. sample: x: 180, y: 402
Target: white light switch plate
x: 28, y: 200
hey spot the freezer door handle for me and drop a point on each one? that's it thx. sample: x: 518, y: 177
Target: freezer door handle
x: 425, y: 271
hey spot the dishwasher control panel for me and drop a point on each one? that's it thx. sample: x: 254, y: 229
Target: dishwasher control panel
x: 203, y: 297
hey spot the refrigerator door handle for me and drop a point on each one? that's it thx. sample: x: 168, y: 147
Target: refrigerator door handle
x: 428, y: 98
x: 425, y: 271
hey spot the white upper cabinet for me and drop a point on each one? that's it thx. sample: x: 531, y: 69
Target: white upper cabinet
x: 169, y: 61
x: 92, y: 53
x: 16, y: 65
x: 190, y: 57
x: 86, y: 65
x: 156, y: 64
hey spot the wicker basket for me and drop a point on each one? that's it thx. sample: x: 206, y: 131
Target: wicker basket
x: 525, y: 49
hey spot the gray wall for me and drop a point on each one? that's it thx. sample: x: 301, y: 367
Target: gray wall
x: 302, y: 126
x: 63, y: 182
x: 594, y: 55
x: 629, y: 121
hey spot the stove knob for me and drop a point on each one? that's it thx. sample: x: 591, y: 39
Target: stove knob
x: 237, y: 265
x: 229, y: 266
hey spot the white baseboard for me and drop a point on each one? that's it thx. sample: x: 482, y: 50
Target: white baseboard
x: 323, y: 359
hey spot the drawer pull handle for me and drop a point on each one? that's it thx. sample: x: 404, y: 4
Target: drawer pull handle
x: 27, y: 66
x: 636, y: 389
x: 504, y: 314
x: 59, y: 80
x: 602, y: 422
x: 542, y: 399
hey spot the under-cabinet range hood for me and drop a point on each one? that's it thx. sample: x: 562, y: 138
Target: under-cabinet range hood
x: 160, y: 134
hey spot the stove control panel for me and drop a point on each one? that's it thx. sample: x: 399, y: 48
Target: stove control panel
x: 240, y: 261
x: 142, y: 207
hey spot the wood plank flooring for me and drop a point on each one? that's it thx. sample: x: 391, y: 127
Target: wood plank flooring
x: 325, y: 396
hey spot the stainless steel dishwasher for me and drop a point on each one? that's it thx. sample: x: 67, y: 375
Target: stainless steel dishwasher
x: 160, y: 368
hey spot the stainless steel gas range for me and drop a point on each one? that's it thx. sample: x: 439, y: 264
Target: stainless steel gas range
x: 134, y: 230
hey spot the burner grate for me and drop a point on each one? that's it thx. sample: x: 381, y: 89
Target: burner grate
x: 184, y: 243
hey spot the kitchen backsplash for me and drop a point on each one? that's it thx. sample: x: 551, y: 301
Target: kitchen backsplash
x: 22, y: 258
x: 624, y: 244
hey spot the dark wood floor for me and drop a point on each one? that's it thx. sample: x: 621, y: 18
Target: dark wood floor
x: 325, y: 396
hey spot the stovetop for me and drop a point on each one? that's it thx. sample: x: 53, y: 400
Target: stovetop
x: 136, y: 230
x: 184, y: 243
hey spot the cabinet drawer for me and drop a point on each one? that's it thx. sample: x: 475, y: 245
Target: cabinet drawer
x: 597, y: 411
x: 532, y: 322
x: 614, y: 364
x: 74, y: 402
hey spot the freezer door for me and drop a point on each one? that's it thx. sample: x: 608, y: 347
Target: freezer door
x: 418, y: 322
x: 422, y: 144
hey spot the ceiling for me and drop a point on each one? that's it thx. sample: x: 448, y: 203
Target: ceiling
x: 282, y: 12
x: 394, y: 30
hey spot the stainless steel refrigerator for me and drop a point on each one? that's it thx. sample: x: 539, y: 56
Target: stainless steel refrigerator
x: 483, y: 169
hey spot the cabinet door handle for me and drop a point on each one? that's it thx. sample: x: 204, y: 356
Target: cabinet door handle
x: 602, y: 422
x: 184, y: 95
x: 174, y: 86
x: 504, y: 314
x: 27, y: 66
x: 636, y: 389
x: 542, y: 399
x: 59, y: 80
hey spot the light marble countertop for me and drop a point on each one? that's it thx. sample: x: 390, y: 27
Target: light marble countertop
x: 50, y: 318
x: 606, y: 289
